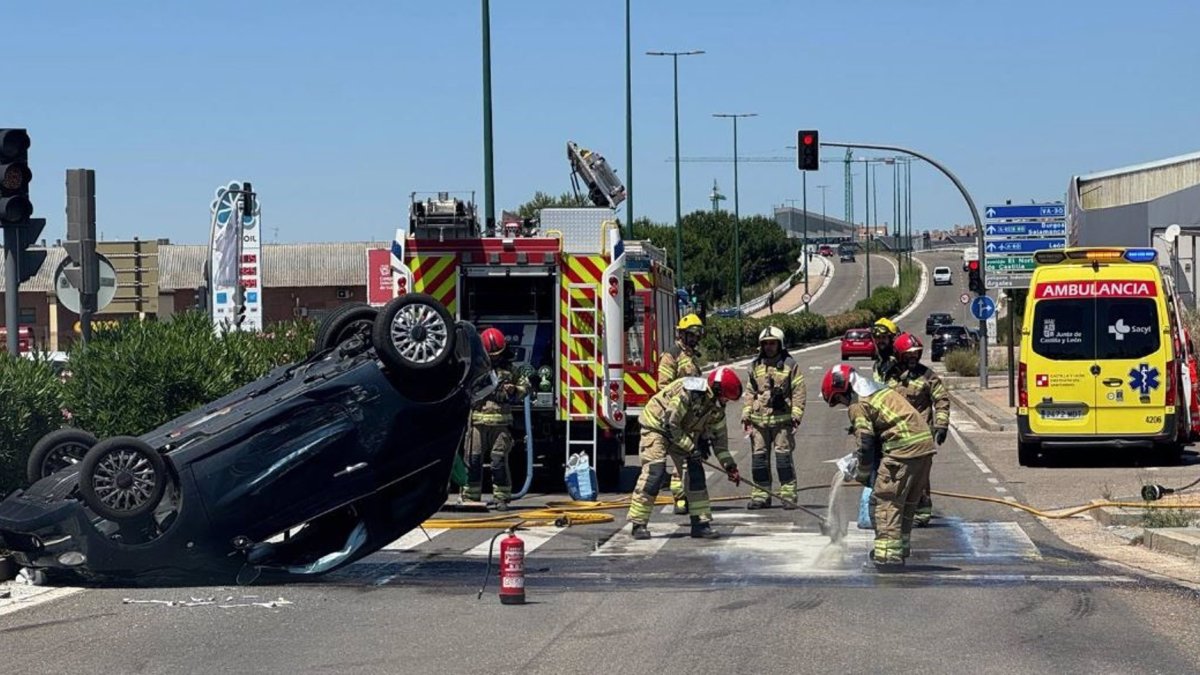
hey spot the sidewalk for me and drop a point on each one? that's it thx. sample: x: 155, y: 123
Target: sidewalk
x: 987, y: 407
x: 795, y: 296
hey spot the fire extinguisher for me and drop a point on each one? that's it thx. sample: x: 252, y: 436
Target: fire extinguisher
x: 512, y: 568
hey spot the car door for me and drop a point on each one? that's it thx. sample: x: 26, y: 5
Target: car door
x: 1062, y: 369
x: 1132, y: 353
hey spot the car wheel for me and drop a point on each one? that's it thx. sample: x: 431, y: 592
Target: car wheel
x: 414, y: 332
x: 56, y: 451
x: 1029, y: 454
x: 344, y: 323
x: 122, y: 478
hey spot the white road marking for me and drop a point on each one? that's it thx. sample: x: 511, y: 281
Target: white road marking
x: 622, y: 542
x: 993, y: 481
x: 533, y: 537
x: 1001, y: 490
x: 962, y: 444
x: 997, y: 540
x: 25, y: 597
x: 413, y: 538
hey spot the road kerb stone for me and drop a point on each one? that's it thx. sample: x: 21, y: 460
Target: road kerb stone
x: 1180, y: 541
x: 970, y: 403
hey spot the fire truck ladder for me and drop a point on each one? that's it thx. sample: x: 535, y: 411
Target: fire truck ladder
x: 585, y: 361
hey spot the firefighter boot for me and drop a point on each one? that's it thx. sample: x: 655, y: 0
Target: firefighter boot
x: 640, y: 531
x: 701, y: 529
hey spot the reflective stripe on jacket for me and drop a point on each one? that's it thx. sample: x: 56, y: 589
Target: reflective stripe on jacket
x: 784, y: 377
x: 677, y: 362
x: 683, y: 411
x: 886, y: 419
x: 924, y: 390
x: 496, y: 409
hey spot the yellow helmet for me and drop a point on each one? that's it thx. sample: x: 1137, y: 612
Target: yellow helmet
x: 689, y: 321
x: 885, y: 326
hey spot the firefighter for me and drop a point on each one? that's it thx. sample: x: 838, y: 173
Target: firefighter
x: 774, y: 407
x: 672, y: 425
x: 885, y: 424
x: 922, y: 387
x: 681, y: 360
x: 491, y: 419
x: 883, y: 333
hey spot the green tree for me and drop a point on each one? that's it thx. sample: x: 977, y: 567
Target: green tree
x: 541, y: 200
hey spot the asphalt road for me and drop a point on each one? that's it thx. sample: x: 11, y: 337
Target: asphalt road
x: 849, y: 282
x: 988, y: 590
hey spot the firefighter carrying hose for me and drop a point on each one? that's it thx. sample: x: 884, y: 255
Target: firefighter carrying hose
x: 672, y: 424
x: 885, y: 424
x: 922, y: 387
x: 883, y: 333
x: 774, y: 407
x: 681, y: 360
x: 491, y: 422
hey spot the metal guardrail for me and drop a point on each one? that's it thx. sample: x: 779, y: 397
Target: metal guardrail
x: 765, y: 299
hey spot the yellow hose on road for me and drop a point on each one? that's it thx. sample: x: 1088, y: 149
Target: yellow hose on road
x: 1068, y: 511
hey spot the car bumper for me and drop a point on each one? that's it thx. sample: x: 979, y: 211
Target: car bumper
x: 1051, y: 441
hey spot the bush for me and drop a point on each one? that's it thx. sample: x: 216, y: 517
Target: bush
x: 883, y: 302
x: 32, y: 408
x: 838, y: 324
x: 962, y: 361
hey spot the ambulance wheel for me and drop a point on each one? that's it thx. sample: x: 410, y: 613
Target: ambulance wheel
x: 122, y: 479
x: 344, y: 323
x: 414, y: 333
x: 1029, y: 454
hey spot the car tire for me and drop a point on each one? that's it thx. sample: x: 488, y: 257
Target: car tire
x: 344, y: 323
x: 1029, y: 454
x: 56, y: 451
x: 414, y: 333
x: 122, y: 479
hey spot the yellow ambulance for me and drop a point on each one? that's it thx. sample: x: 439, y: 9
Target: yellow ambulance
x: 1099, y: 364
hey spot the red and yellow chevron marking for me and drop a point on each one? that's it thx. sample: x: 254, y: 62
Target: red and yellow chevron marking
x: 586, y: 270
x: 641, y: 281
x: 437, y: 275
x: 639, y: 387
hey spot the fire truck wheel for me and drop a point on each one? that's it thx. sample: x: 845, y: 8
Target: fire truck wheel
x: 414, y: 333
x: 344, y: 323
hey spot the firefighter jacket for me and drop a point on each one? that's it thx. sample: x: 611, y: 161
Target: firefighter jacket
x: 923, y: 388
x: 886, y: 369
x: 496, y: 408
x: 678, y: 361
x: 885, y: 422
x: 775, y: 395
x: 683, y: 411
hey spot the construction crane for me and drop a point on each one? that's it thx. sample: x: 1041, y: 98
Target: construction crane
x: 716, y: 197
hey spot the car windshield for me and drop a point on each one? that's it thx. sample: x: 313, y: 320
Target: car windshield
x: 858, y: 334
x: 941, y: 270
x: 939, y: 317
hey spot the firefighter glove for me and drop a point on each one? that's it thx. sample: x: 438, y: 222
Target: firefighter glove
x: 731, y: 471
x: 939, y: 435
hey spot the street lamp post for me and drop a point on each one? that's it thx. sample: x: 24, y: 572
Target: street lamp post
x: 628, y: 129
x: 867, y: 220
x: 824, y: 218
x: 678, y: 205
x: 489, y: 187
x: 737, y: 218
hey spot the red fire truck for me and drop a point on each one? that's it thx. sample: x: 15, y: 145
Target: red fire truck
x: 586, y: 313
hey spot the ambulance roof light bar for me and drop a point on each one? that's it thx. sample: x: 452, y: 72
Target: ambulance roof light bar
x: 1095, y: 255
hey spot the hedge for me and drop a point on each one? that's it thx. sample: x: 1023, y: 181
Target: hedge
x: 133, y: 377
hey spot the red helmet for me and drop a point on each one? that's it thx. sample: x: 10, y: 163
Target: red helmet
x: 836, y: 381
x: 726, y: 383
x: 907, y: 343
x: 493, y: 341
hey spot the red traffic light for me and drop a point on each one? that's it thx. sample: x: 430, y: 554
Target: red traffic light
x: 973, y: 265
x: 808, y: 139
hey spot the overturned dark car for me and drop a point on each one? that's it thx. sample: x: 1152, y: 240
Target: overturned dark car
x: 301, y: 472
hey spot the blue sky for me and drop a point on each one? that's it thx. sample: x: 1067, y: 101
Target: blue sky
x: 338, y: 112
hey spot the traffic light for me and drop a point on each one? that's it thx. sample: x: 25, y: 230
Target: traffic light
x: 808, y: 148
x: 975, y: 281
x: 15, y: 207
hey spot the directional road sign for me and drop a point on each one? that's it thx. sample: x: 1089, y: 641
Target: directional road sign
x: 983, y: 308
x: 1013, y: 233
x: 1024, y: 211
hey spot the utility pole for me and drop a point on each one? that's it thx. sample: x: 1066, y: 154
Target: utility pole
x: 848, y: 216
x: 678, y: 203
x: 737, y: 217
x: 629, y: 130
x: 824, y: 218
x: 867, y: 220
x: 489, y: 187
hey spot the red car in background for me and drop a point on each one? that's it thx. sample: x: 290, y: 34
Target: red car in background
x: 825, y: 250
x: 858, y: 342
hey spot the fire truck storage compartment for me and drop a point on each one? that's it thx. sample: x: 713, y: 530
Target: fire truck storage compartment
x: 522, y: 303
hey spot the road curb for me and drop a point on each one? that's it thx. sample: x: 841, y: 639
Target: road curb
x: 1179, y: 541
x: 969, y: 402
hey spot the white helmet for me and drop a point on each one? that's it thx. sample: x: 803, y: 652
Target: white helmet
x: 771, y: 333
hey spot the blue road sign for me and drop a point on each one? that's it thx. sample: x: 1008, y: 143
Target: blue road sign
x: 1022, y: 245
x: 1026, y: 211
x: 1026, y: 229
x: 983, y: 307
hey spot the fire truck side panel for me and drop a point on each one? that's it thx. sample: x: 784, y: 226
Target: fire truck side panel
x: 437, y: 275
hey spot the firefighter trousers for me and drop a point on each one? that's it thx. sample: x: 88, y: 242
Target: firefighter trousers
x: 898, y: 489
x: 653, y: 452
x: 779, y: 442
x: 497, y: 441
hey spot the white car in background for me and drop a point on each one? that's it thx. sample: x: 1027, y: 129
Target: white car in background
x: 941, y: 276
